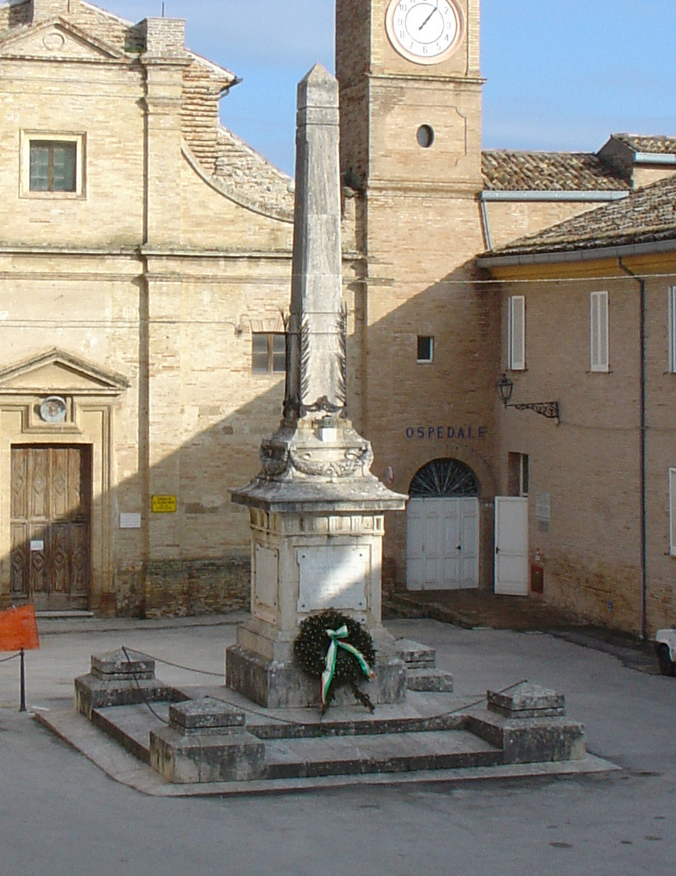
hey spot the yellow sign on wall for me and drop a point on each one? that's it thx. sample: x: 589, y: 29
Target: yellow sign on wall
x: 164, y: 504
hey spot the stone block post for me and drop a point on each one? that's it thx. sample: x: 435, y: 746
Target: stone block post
x: 529, y: 724
x: 206, y: 741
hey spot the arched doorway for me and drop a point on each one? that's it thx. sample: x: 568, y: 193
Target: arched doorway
x: 443, y: 527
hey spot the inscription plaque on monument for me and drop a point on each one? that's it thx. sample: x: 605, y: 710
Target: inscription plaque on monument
x: 332, y: 577
x: 266, y: 575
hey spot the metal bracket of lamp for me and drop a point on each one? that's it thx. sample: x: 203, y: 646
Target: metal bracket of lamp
x: 505, y: 387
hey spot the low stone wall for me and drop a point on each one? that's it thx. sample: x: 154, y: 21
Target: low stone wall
x: 184, y: 588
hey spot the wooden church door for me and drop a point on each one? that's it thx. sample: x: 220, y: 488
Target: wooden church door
x: 50, y: 523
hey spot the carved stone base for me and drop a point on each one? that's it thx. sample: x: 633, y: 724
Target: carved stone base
x: 275, y: 685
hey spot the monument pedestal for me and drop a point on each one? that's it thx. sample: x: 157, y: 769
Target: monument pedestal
x: 317, y: 523
x: 276, y: 685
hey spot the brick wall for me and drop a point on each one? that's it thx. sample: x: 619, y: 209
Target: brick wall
x: 43, y: 9
x: 589, y: 465
x: 165, y: 37
x: 187, y: 588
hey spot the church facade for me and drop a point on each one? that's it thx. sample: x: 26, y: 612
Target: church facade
x: 147, y: 265
x: 146, y: 258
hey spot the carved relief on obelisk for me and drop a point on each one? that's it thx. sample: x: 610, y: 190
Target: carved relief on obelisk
x: 316, y: 362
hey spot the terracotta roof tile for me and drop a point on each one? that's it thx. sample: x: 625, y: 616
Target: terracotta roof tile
x: 549, y: 172
x: 656, y: 145
x: 645, y: 216
x: 251, y: 178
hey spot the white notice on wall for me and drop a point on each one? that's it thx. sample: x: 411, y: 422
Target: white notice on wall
x: 130, y: 521
x: 332, y: 577
x: 543, y: 507
x: 37, y: 545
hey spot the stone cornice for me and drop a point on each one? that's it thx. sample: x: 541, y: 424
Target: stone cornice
x: 430, y: 80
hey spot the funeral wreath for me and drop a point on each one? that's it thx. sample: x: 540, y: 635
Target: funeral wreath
x: 337, y: 650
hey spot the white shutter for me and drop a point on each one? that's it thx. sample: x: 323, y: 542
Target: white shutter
x: 672, y: 511
x: 599, y: 331
x: 517, y: 333
x: 671, y: 328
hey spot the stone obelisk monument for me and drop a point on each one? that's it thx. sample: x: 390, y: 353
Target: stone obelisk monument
x: 316, y: 511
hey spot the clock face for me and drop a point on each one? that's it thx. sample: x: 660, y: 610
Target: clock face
x: 424, y: 31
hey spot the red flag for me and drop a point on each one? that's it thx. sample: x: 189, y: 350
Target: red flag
x: 18, y: 629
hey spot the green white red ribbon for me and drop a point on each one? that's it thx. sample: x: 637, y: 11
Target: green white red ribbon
x: 332, y: 658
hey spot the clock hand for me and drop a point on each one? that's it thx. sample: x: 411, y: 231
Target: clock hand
x: 428, y: 18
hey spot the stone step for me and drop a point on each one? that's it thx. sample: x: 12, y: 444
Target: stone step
x: 215, y: 736
x: 66, y: 614
x: 130, y: 725
x: 395, y: 746
x: 384, y: 753
x: 432, y: 680
x: 415, y: 655
x: 417, y: 714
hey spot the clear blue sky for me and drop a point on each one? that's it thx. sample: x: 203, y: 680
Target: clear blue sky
x: 562, y: 74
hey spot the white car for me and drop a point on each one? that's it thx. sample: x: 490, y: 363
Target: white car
x: 665, y: 647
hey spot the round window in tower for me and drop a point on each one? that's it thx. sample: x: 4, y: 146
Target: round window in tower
x: 425, y: 136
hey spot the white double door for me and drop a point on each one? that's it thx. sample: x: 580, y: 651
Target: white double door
x: 443, y: 544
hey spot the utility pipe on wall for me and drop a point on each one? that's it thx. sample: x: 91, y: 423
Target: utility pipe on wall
x: 643, y: 449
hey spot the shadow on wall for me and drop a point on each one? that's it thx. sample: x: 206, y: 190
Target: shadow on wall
x: 196, y: 559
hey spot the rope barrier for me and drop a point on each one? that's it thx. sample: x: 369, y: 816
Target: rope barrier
x: 180, y: 666
x: 142, y: 692
x: 277, y: 718
x: 201, y: 672
x: 13, y: 657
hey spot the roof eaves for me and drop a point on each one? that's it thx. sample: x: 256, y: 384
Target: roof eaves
x: 585, y: 195
x: 553, y: 256
x: 216, y: 68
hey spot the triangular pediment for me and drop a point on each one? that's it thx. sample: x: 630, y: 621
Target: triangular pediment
x: 56, y: 39
x: 59, y: 372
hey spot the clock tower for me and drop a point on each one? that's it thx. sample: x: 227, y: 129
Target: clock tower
x: 426, y: 335
x: 410, y: 90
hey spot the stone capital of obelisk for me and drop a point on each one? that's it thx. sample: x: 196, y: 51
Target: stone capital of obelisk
x: 316, y: 371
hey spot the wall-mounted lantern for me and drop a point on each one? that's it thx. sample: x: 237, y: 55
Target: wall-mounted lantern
x: 505, y: 388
